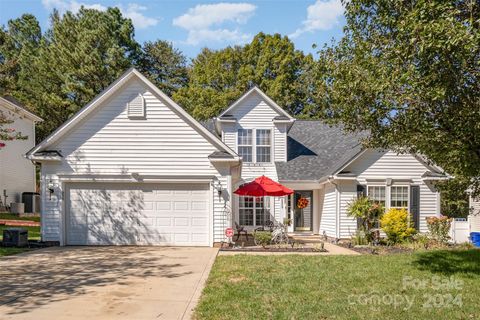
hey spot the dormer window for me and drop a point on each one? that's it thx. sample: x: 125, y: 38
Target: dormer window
x: 257, y: 150
x: 136, y: 107
x: 263, y: 147
x: 245, y: 144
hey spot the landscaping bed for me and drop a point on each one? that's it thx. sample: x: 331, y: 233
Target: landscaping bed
x: 344, y: 287
x: 274, y: 249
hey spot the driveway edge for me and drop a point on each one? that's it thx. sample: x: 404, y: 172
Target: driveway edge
x: 187, y: 314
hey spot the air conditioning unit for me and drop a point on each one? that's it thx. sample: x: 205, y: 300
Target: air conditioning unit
x: 15, y: 237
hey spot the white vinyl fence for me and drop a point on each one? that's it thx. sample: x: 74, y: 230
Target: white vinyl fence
x: 460, y: 230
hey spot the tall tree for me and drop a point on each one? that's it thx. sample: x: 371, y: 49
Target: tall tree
x: 271, y: 62
x: 83, y: 53
x: 409, y: 72
x: 19, y: 45
x: 164, y: 65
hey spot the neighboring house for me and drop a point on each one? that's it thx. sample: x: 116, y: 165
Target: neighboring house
x: 132, y: 167
x: 17, y: 174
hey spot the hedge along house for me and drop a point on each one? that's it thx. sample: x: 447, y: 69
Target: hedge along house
x: 132, y: 167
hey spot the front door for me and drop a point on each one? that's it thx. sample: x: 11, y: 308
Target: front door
x: 303, y: 210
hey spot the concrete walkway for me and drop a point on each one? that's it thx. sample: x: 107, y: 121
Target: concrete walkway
x: 104, y: 282
x: 332, y: 250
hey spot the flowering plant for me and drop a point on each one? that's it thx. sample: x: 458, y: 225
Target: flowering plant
x: 302, y: 203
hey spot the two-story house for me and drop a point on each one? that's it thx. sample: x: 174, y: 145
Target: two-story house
x: 17, y: 174
x: 132, y: 167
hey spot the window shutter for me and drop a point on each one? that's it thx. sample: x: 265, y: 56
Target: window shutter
x: 415, y: 205
x: 136, y: 107
x: 361, y: 192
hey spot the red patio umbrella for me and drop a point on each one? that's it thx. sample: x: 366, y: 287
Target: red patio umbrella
x: 263, y: 187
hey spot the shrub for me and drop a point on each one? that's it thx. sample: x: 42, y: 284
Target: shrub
x: 395, y: 223
x: 263, y: 238
x: 368, y: 212
x: 359, y: 238
x: 439, y: 228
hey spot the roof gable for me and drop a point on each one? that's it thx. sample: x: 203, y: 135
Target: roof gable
x: 268, y: 100
x: 15, y: 106
x: 58, y: 134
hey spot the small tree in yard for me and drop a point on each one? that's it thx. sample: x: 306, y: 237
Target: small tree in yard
x: 396, y: 223
x: 368, y: 212
x: 6, y: 133
x: 439, y: 228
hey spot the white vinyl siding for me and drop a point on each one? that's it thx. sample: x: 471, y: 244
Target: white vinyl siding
x: 108, y: 142
x: 328, y: 220
x: 17, y: 174
x: 373, y: 167
x: 348, y: 193
x: 255, y: 113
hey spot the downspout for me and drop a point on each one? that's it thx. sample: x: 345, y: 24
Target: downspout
x: 337, y: 198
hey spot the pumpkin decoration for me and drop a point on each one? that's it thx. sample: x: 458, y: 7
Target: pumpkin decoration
x: 302, y: 203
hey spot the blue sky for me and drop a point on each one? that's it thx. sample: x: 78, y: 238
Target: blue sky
x: 192, y: 25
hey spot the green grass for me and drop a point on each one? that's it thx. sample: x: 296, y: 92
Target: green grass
x: 10, y: 216
x: 342, y: 287
x: 10, y: 251
x: 33, y: 232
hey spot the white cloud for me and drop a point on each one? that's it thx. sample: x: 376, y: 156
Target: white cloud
x: 204, y: 22
x: 132, y: 11
x: 322, y: 15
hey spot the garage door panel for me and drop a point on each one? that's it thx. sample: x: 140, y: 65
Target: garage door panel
x: 163, y: 214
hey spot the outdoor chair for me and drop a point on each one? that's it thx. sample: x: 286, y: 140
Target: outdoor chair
x: 239, y: 230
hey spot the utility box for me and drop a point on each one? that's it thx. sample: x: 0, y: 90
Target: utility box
x: 15, y: 237
x: 31, y: 201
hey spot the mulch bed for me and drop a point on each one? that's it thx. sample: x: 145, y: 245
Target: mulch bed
x: 19, y: 223
x: 259, y: 249
x: 381, y: 249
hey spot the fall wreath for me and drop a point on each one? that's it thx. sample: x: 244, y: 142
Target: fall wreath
x: 302, y: 203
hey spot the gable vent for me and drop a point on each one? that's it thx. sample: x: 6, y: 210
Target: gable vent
x: 136, y: 107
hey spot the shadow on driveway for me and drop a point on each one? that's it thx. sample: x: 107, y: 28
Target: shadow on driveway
x: 32, y: 280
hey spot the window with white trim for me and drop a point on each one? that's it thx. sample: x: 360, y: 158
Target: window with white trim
x: 263, y: 145
x: 377, y: 194
x: 399, y: 196
x: 253, y: 211
x: 245, y: 144
x: 255, y: 145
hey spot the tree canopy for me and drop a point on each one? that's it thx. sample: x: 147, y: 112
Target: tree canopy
x: 164, y: 65
x: 408, y: 71
x: 218, y: 77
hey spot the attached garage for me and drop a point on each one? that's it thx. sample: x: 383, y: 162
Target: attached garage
x: 138, y: 214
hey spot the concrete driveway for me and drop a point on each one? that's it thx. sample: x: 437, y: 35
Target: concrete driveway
x: 103, y: 282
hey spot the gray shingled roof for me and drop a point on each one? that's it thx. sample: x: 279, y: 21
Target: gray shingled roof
x: 316, y: 150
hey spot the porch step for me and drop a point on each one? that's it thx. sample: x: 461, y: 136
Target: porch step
x: 306, y: 238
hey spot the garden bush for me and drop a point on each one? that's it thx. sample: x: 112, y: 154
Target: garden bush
x: 439, y: 227
x: 397, y: 224
x: 263, y: 238
x: 368, y: 212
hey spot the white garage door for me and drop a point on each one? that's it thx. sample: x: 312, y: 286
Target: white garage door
x: 142, y: 214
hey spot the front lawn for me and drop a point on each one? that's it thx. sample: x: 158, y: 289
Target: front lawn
x: 11, y: 216
x: 33, y: 232
x: 9, y: 251
x: 443, y: 284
